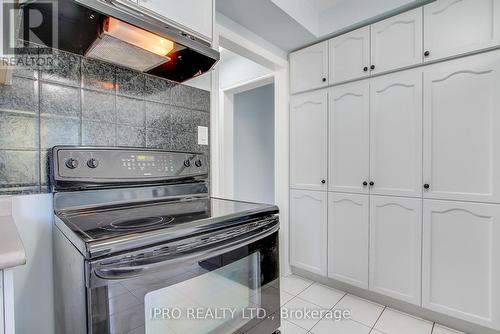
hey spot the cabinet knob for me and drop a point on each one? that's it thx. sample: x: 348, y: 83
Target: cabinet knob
x: 323, y: 181
x: 372, y: 183
x: 365, y: 183
x: 427, y: 53
x: 365, y: 69
x: 372, y: 67
x: 426, y: 186
x: 324, y: 79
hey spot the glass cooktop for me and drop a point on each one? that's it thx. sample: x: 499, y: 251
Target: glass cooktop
x: 135, y: 219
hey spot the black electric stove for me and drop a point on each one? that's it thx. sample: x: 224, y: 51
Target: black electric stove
x: 135, y: 227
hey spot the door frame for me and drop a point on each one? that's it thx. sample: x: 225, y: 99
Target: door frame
x: 234, y: 37
x: 226, y: 136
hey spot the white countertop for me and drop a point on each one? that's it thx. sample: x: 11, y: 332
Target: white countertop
x: 12, y: 252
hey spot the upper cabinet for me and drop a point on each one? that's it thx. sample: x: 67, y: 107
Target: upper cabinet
x: 195, y: 15
x: 396, y: 134
x: 349, y: 122
x: 462, y: 129
x: 350, y: 56
x: 453, y: 27
x: 397, y: 42
x: 309, y: 68
x: 308, y: 141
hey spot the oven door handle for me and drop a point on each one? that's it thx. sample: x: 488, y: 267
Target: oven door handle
x: 135, y: 268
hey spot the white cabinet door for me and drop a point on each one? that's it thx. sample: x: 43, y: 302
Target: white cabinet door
x: 396, y: 134
x: 462, y: 129
x: 397, y: 41
x: 308, y: 230
x: 349, y: 142
x: 452, y: 27
x: 308, y: 141
x: 350, y: 56
x: 348, y: 238
x: 461, y: 261
x: 196, y: 15
x: 395, y: 247
x: 309, y: 68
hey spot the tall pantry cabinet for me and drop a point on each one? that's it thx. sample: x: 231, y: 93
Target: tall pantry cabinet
x: 395, y: 166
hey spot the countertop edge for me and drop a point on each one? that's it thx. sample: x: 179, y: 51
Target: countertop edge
x: 12, y: 253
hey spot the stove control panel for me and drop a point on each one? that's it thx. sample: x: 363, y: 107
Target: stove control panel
x: 123, y: 164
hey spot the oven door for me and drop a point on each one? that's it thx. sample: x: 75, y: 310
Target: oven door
x: 225, y: 282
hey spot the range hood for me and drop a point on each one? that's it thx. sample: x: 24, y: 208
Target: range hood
x: 110, y: 31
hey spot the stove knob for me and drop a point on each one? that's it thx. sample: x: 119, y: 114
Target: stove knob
x: 92, y: 163
x: 198, y: 163
x: 187, y: 163
x: 71, y: 163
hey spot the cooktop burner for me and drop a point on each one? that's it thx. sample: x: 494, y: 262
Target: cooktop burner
x: 141, y: 224
x: 108, y: 222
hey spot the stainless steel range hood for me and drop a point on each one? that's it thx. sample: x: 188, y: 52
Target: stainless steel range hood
x: 116, y: 33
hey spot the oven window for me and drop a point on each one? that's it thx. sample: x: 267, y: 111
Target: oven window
x: 219, y: 301
x: 243, y: 283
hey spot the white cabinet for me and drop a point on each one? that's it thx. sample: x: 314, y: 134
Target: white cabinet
x: 196, y: 15
x: 309, y: 68
x: 397, y: 41
x: 348, y: 238
x: 395, y: 247
x: 7, y: 322
x: 308, y: 230
x: 350, y: 56
x: 349, y: 121
x: 396, y: 134
x: 461, y: 260
x: 462, y: 129
x: 453, y: 27
x: 308, y: 141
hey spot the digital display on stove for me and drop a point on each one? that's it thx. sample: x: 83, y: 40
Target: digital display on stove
x: 146, y: 158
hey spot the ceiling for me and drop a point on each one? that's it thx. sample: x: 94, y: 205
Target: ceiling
x: 325, y: 4
x: 291, y: 25
x: 267, y: 20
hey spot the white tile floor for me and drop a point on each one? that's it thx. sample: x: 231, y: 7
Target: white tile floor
x: 366, y: 317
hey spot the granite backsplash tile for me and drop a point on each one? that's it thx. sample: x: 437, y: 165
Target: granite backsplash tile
x: 82, y: 101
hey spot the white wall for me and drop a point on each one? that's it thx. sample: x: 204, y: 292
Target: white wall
x: 237, y: 69
x: 203, y: 81
x: 33, y: 283
x: 253, y: 117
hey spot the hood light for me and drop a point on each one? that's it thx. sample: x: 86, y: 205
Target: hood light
x: 138, y: 37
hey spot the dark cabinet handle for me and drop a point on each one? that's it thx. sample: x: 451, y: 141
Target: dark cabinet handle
x: 427, y: 53
x: 426, y: 186
x: 365, y: 183
x: 323, y: 181
x: 372, y: 183
x: 324, y: 79
x: 365, y: 69
x: 372, y: 67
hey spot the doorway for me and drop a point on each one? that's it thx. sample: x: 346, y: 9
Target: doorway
x: 253, y: 131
